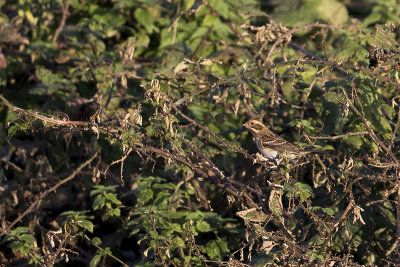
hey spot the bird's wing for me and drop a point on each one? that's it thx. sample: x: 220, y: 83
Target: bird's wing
x: 275, y: 142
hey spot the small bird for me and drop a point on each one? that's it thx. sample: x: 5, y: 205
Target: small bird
x: 271, y: 145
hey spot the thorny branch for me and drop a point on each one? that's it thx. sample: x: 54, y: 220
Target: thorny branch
x: 223, y: 185
x: 338, y: 136
x: 41, y: 117
x: 289, y: 33
x: 47, y: 192
x: 142, y: 147
x: 221, y: 142
x: 360, y: 113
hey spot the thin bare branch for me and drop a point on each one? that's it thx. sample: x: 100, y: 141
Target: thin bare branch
x: 41, y: 117
x: 64, y: 11
x: 36, y: 204
x: 338, y: 136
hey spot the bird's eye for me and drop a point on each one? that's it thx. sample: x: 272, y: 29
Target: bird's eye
x: 251, y: 123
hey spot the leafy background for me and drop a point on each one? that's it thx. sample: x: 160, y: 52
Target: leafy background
x: 122, y: 140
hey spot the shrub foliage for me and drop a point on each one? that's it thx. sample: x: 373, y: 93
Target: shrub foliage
x: 122, y: 141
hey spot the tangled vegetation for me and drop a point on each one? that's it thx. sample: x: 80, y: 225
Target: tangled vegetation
x: 122, y: 141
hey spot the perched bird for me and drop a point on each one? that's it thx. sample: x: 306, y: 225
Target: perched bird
x: 271, y: 145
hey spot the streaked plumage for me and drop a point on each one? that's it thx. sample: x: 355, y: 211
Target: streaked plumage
x: 272, y: 145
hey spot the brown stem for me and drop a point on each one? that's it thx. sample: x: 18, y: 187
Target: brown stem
x: 227, y: 187
x: 45, y: 193
x: 64, y: 9
x: 41, y: 117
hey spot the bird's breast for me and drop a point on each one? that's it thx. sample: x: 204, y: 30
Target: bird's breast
x: 270, y: 154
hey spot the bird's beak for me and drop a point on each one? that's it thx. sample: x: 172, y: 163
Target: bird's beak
x: 244, y: 125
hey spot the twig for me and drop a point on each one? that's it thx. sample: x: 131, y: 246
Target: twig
x: 245, y: 72
x: 111, y: 255
x: 122, y: 164
x: 338, y: 136
x: 396, y: 128
x: 314, y: 57
x: 398, y: 214
x: 372, y: 134
x: 360, y: 113
x: 64, y: 9
x: 112, y: 133
x: 289, y: 33
x: 220, y: 140
x: 229, y: 188
x: 41, y: 117
x: 45, y: 193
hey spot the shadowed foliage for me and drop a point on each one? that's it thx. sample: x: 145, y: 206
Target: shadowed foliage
x: 121, y: 138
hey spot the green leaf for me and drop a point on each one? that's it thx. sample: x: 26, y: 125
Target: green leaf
x: 106, y: 251
x: 216, y: 249
x: 213, y: 250
x: 95, y: 260
x: 96, y: 241
x: 372, y: 103
x: 113, y: 198
x: 305, y: 191
x: 179, y: 242
x: 198, y: 111
x: 187, y: 4
x: 87, y: 225
x: 150, y: 131
x: 328, y: 211
x: 50, y: 83
x: 115, y: 212
x: 145, y: 195
x: 331, y: 11
x: 144, y: 17
x: 98, y: 202
x: 153, y: 234
x: 19, y: 230
x: 203, y: 226
x: 328, y: 107
x: 328, y: 11
x: 27, y: 238
x: 221, y: 6
x: 290, y: 93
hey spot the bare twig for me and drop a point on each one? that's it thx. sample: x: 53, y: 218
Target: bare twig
x: 219, y: 139
x: 41, y: 117
x: 338, y: 136
x: 289, y: 33
x: 361, y: 115
x: 122, y: 164
x: 111, y: 255
x: 45, y: 193
x: 64, y: 10
x: 396, y: 128
x: 223, y: 185
x: 398, y: 214
x: 110, y: 132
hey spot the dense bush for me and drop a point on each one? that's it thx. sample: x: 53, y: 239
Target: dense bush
x: 122, y: 141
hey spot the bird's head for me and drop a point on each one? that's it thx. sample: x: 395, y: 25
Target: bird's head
x: 255, y: 125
